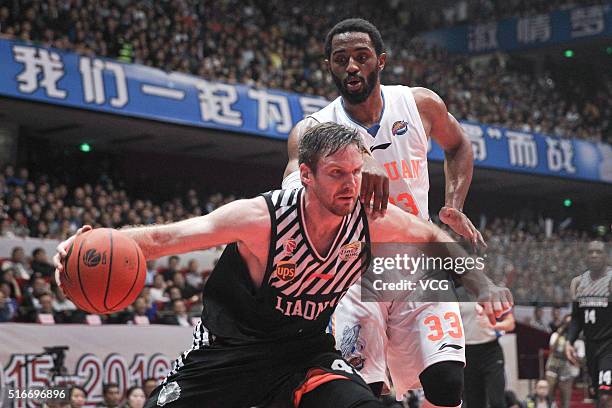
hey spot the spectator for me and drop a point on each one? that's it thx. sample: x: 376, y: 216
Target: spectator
x: 111, y: 394
x: 78, y: 397
x: 18, y: 263
x: 187, y: 291
x: 560, y: 373
x: 148, y: 385
x: 138, y: 313
x: 40, y: 264
x: 158, y: 289
x: 179, y: 316
x: 12, y: 288
x: 541, y: 398
x: 7, y: 308
x: 193, y: 276
x: 65, y: 308
x: 556, y: 321
x: 151, y: 272
x: 45, y: 306
x: 135, y: 398
x: 537, y: 319
x: 173, y: 266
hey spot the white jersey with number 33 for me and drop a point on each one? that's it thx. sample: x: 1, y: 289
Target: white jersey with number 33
x: 398, y: 142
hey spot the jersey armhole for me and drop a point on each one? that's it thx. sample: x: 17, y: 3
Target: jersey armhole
x: 272, y: 247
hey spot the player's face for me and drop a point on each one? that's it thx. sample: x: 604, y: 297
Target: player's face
x: 596, y: 256
x: 354, y: 66
x: 337, y: 181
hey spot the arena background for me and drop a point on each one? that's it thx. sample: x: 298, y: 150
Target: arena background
x: 98, y: 127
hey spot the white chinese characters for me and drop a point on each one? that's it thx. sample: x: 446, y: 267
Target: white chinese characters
x: 42, y: 68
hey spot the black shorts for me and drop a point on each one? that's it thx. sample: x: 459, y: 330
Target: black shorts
x: 262, y: 375
x: 599, y: 364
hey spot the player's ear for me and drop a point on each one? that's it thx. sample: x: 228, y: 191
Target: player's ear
x: 306, y: 174
x: 382, y: 60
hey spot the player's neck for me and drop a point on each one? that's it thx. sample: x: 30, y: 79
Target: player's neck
x: 598, y: 273
x: 319, y: 221
x: 368, y: 112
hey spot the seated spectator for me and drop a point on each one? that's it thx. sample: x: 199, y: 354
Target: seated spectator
x: 45, y: 306
x: 8, y: 309
x: 151, y: 272
x: 193, y: 275
x: 537, y: 319
x: 179, y: 316
x: 541, y: 398
x: 112, y: 396
x: 64, y: 307
x: 41, y: 265
x: 18, y: 263
x: 158, y: 290
x: 7, y: 278
x: 138, y: 312
x: 187, y: 291
x: 148, y: 386
x: 556, y: 321
x: 134, y: 398
x: 78, y: 397
x: 172, y: 268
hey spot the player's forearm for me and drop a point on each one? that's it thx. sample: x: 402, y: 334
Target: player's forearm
x: 170, y: 239
x: 575, y: 326
x: 458, y: 169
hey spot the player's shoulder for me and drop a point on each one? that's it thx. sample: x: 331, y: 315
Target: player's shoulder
x: 327, y: 113
x: 574, y: 283
x: 425, y: 96
x: 280, y: 199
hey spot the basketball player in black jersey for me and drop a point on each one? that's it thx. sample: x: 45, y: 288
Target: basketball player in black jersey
x: 291, y: 255
x: 592, y: 314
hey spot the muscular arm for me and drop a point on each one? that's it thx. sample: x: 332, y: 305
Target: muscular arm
x: 446, y: 131
x: 238, y: 221
x: 402, y: 227
x: 577, y: 321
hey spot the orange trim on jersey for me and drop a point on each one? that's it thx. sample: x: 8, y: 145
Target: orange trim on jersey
x: 314, y: 378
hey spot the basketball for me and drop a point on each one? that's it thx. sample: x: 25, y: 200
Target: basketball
x: 104, y: 271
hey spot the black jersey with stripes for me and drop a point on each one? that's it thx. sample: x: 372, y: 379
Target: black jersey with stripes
x: 300, y: 289
x: 594, y: 301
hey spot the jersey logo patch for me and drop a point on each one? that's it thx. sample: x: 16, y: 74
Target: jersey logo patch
x: 289, y: 246
x: 285, y: 270
x: 399, y: 128
x: 350, y: 252
x: 170, y: 392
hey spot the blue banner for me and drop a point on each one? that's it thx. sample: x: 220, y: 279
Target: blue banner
x: 52, y: 76
x: 558, y: 27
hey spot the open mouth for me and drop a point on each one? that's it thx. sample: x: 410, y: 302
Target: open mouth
x: 354, y: 84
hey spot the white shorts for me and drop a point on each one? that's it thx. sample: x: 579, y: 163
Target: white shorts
x: 405, y: 337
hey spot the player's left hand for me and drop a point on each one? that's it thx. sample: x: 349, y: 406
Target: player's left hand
x: 461, y: 224
x: 495, y: 301
x: 374, y: 185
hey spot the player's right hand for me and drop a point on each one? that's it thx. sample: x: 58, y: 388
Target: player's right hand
x: 496, y: 301
x: 58, y: 258
x: 570, y: 353
x: 374, y: 185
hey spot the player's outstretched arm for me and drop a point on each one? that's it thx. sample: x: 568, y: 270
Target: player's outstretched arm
x: 402, y: 227
x: 458, y: 163
x: 291, y: 177
x: 239, y: 221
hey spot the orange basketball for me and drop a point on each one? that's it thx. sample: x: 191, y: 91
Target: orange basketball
x: 104, y: 271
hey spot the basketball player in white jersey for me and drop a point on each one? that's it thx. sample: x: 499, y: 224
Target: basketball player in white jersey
x: 422, y: 344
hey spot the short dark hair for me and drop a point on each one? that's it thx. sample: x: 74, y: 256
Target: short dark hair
x: 326, y: 139
x: 37, y: 251
x: 107, y: 386
x: 77, y: 387
x: 355, y: 25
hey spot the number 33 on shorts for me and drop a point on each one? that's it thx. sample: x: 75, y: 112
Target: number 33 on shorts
x: 449, y: 325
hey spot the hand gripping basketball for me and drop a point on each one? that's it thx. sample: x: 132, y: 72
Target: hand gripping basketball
x: 101, y: 270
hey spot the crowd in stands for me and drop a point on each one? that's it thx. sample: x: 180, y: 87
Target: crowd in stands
x: 280, y: 45
x: 536, y: 266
